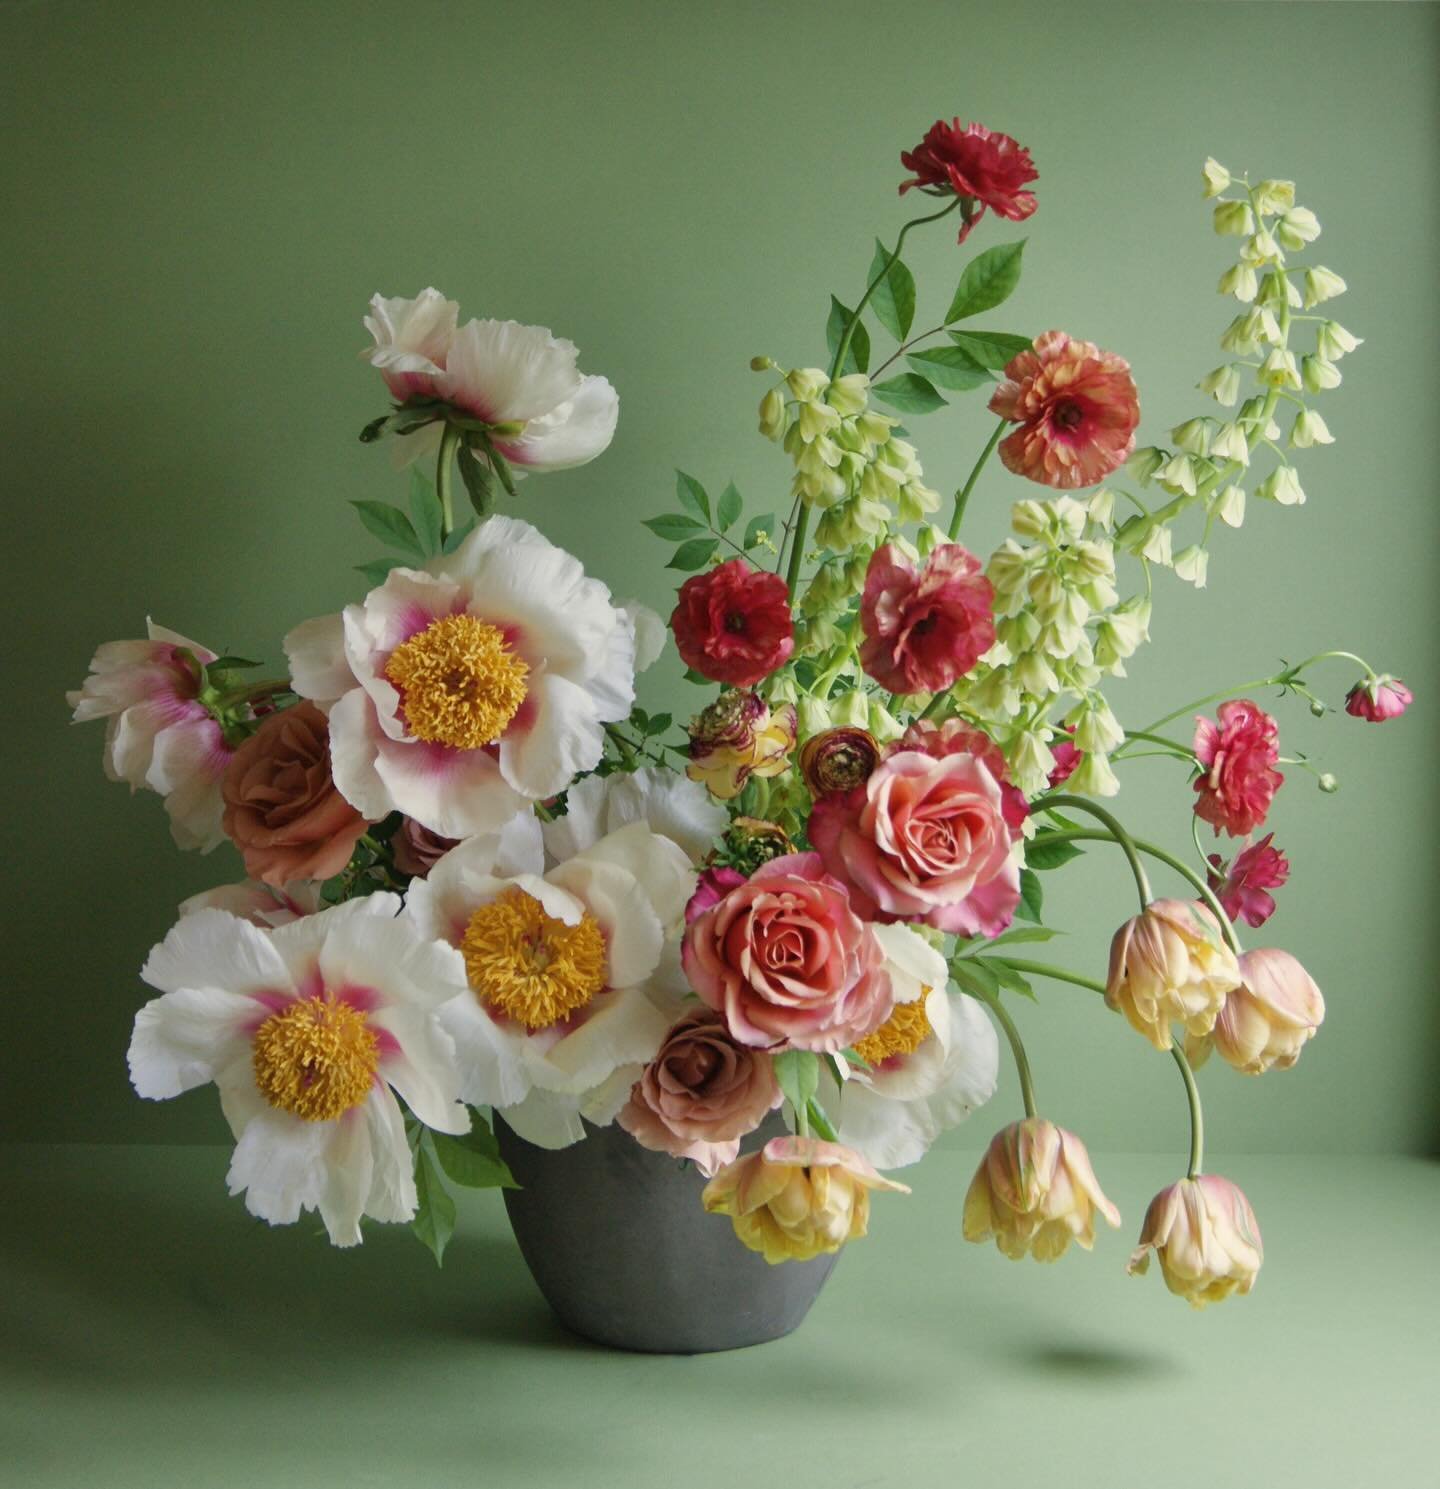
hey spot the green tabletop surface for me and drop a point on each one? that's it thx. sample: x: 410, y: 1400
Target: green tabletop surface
x: 155, y: 1335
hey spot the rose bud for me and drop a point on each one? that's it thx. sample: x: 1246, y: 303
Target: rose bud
x: 1170, y: 963
x: 1206, y: 1238
x: 1378, y: 698
x: 1035, y: 1192
x: 838, y: 760
x: 797, y: 1197
x: 1267, y: 1020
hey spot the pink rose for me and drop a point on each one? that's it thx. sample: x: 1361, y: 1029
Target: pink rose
x: 956, y: 737
x: 1243, y: 888
x: 712, y: 887
x: 924, y: 627
x: 1237, y: 758
x: 925, y: 840
x: 788, y: 962
x: 700, y: 1094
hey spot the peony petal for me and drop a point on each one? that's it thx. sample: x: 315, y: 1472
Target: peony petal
x: 564, y: 736
x: 315, y: 650
x: 571, y: 433
x: 503, y: 371
x: 186, y: 1038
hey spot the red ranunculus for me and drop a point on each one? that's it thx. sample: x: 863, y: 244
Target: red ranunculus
x: 1077, y: 409
x: 1237, y: 758
x: 981, y: 168
x: 925, y: 627
x: 1243, y: 888
x: 733, y: 624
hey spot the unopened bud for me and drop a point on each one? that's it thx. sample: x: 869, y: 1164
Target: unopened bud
x: 1317, y: 709
x: 1328, y: 784
x: 760, y: 364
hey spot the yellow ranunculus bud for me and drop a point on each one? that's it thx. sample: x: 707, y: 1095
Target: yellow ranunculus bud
x: 1206, y: 1238
x: 1170, y: 964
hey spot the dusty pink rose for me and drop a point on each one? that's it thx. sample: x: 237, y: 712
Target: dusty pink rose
x: 924, y: 840
x: 701, y: 1094
x: 924, y: 627
x: 712, y: 887
x: 1077, y: 409
x: 788, y: 961
x: 1237, y: 759
x: 956, y: 737
x: 418, y: 849
x: 1243, y: 888
x: 1376, y: 699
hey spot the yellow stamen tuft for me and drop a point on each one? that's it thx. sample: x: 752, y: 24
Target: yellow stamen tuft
x: 530, y: 965
x: 902, y: 1033
x: 460, y: 683
x: 315, y: 1060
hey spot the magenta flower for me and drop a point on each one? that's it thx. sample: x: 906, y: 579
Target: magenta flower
x: 1237, y: 759
x: 1243, y: 888
x: 1376, y: 699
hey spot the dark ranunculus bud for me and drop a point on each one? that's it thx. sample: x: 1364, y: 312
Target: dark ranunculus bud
x: 838, y: 759
x: 753, y: 842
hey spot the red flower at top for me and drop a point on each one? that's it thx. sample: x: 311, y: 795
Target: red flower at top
x: 1077, y: 409
x: 733, y: 624
x: 1237, y: 758
x: 981, y: 168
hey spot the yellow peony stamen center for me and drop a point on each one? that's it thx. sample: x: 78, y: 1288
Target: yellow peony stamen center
x: 315, y: 1060
x: 460, y: 683
x: 902, y: 1033
x: 529, y: 965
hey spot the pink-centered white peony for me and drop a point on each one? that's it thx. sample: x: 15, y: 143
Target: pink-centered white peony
x: 309, y: 1032
x: 461, y: 692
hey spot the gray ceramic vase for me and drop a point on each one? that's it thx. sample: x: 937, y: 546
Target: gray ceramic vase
x: 617, y: 1240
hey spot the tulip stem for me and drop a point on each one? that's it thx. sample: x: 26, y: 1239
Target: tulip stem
x: 1117, y: 831
x: 449, y: 439
x: 1060, y: 974
x: 962, y: 497
x: 1017, y: 1045
x: 802, y: 1119
x: 1197, y: 1116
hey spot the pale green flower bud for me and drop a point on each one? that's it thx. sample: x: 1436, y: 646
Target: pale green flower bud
x: 1242, y: 335
x: 1191, y: 564
x: 1332, y: 341
x: 1230, y: 443
x: 1018, y: 633
x: 1328, y: 784
x: 806, y: 383
x: 1251, y: 412
x: 1321, y: 284
x: 1260, y: 250
x: 1121, y: 632
x: 1230, y: 506
x: 1193, y: 435
x: 883, y: 724
x: 1276, y: 291
x: 1046, y: 591
x: 1096, y: 727
x: 1009, y: 569
x: 760, y: 364
x: 878, y: 484
x: 1239, y: 281
x: 1309, y: 429
x: 996, y: 694
x: 781, y: 687
x: 1274, y: 196
x: 1093, y: 777
x: 1035, y: 674
x: 1282, y: 485
x: 1216, y: 178
x: 1029, y: 518
x: 1234, y: 218
x: 1156, y: 546
x: 1099, y: 594
x: 817, y: 419
x: 1178, y: 474
x: 1145, y: 462
x: 1223, y: 384
x: 814, y: 716
x: 1091, y: 560
x: 772, y: 414
x: 1101, y: 508
x: 917, y: 501
x: 1269, y: 326
x: 848, y: 395
x: 1031, y: 761
x: 1319, y: 374
x: 874, y: 427
x: 1317, y: 709
x: 851, y: 708
x: 1297, y: 227
x: 1279, y: 370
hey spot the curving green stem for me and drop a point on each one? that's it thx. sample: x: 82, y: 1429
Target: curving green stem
x: 1197, y: 1116
x: 1017, y: 1045
x: 1060, y: 974
x: 449, y: 439
x: 962, y: 496
x: 1117, y: 831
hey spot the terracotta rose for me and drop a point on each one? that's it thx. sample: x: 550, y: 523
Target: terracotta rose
x: 282, y: 810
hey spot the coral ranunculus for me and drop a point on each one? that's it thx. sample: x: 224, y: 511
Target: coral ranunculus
x: 1376, y: 699
x: 924, y: 627
x: 1237, y: 757
x: 1077, y: 409
x: 1244, y: 888
x: 982, y: 168
x: 733, y: 624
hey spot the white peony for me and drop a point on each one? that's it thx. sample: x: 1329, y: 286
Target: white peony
x: 667, y: 803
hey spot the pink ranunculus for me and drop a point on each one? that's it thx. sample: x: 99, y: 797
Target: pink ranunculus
x: 1237, y: 758
x: 983, y: 168
x: 956, y: 737
x: 1243, y: 888
x: 1077, y: 409
x: 701, y: 1094
x: 1067, y: 758
x: 788, y: 962
x: 733, y: 623
x: 924, y: 840
x: 1376, y: 699
x: 924, y: 627
x: 712, y: 887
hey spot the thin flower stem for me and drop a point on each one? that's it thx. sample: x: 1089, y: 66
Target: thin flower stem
x: 1197, y: 1116
x: 962, y: 497
x: 905, y: 347
x: 1160, y: 739
x: 1017, y: 1045
x: 1060, y: 974
x: 802, y: 1119
x: 1117, y: 831
x: 449, y: 439
x: 797, y: 551
x: 252, y: 692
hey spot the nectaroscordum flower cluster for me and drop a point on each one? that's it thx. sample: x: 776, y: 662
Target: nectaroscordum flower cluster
x: 480, y: 876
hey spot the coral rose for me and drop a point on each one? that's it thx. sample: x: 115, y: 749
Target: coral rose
x: 924, y: 627
x: 1077, y: 409
x: 733, y: 624
x: 1269, y: 1018
x: 788, y: 961
x: 924, y: 840
x: 1206, y: 1238
x: 982, y: 168
x: 282, y: 810
x: 1237, y: 759
x: 1376, y: 699
x: 1243, y: 888
x: 700, y: 1094
x: 1035, y: 1192
x: 797, y: 1197
x: 956, y: 737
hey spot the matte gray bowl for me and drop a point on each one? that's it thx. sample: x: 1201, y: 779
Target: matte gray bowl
x: 618, y: 1243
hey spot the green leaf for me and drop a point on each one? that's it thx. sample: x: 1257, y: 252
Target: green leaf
x: 691, y: 675
x: 992, y: 349
x: 692, y: 496
x: 1032, y: 897
x: 693, y: 555
x: 974, y: 976
x: 798, y: 1074
x: 1020, y: 934
x: 374, y: 430
x: 893, y: 300
x: 989, y: 280
x: 658, y: 725
x: 1044, y: 852
x: 674, y: 527
x: 758, y: 527
x: 728, y: 509
x: 474, y: 1160
x: 951, y: 367
x: 378, y: 569
x: 458, y: 536
x: 478, y: 479
x: 910, y: 393
x: 425, y: 509
x: 390, y: 525
x: 500, y: 465
x: 1009, y: 978
x: 857, y: 358
x: 230, y: 664
x: 434, y: 1221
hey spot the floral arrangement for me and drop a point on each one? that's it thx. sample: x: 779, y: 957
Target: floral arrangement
x: 482, y: 883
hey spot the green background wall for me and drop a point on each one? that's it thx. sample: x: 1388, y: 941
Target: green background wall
x: 200, y: 200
